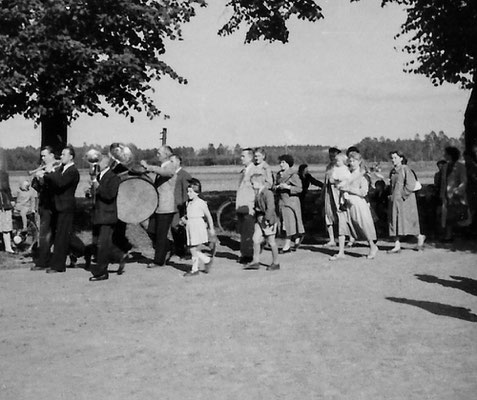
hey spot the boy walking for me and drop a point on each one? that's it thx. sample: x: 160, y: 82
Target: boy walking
x: 266, y: 222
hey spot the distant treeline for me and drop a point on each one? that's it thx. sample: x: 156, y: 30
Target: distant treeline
x: 429, y: 148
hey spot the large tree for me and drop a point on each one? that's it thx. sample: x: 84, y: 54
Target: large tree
x: 442, y: 37
x: 62, y: 58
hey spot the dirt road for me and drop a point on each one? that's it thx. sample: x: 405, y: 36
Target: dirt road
x: 397, y: 327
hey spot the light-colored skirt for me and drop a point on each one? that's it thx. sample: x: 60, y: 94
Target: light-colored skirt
x: 196, y: 230
x: 357, y: 220
x: 6, y: 224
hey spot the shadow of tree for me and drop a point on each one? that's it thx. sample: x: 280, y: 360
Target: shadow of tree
x: 465, y: 284
x: 438, y: 308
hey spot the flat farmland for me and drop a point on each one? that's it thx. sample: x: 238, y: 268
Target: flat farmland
x: 226, y: 177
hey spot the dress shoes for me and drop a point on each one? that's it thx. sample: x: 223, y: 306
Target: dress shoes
x: 273, y: 267
x: 53, y: 271
x: 252, y: 266
x: 99, y: 278
x: 191, y: 273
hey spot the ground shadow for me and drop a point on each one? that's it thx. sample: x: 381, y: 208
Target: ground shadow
x: 228, y: 256
x: 184, y: 267
x: 465, y: 284
x: 438, y: 308
x: 227, y: 241
x: 468, y: 243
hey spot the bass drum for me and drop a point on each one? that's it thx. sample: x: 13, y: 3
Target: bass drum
x: 137, y: 199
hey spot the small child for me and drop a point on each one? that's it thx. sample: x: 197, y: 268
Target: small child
x: 25, y: 202
x: 196, y: 228
x: 266, y: 223
x: 340, y: 176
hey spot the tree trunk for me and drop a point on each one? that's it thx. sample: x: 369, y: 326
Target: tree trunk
x: 54, y: 130
x: 470, y: 125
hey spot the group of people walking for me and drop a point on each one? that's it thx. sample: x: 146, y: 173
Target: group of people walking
x: 344, y: 196
x: 267, y: 203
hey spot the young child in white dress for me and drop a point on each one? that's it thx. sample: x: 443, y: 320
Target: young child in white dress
x: 196, y: 228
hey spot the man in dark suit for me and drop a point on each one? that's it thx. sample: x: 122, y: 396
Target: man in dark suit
x: 105, y: 218
x: 63, y: 182
x: 180, y: 199
x: 46, y: 209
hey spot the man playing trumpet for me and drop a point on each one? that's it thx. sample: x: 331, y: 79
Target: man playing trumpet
x: 63, y: 183
x: 45, y: 207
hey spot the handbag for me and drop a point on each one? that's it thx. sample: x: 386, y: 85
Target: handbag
x: 417, y: 186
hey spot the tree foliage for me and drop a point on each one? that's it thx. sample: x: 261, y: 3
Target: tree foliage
x: 66, y: 56
x: 442, y: 35
x: 267, y: 19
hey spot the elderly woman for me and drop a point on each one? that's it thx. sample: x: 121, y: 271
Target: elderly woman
x: 288, y: 187
x: 403, y: 215
x: 355, y: 219
x: 452, y: 192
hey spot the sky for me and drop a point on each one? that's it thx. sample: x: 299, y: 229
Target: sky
x: 337, y: 81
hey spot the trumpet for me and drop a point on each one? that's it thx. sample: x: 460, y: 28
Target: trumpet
x: 42, y: 167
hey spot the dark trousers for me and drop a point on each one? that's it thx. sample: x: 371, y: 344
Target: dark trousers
x: 162, y: 226
x: 65, y: 241
x: 107, y: 250
x: 246, y: 227
x: 180, y: 240
x: 46, y: 229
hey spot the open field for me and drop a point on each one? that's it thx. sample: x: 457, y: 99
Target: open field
x: 226, y: 177
x: 400, y: 327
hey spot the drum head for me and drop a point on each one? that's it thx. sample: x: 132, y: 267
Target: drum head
x: 137, y: 200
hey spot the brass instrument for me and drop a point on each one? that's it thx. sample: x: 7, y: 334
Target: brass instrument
x: 42, y: 167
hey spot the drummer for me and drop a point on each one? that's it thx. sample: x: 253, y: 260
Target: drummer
x: 105, y: 218
x: 165, y: 183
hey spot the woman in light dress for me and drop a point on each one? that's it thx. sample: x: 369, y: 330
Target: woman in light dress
x: 196, y: 227
x: 403, y: 214
x: 355, y: 219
